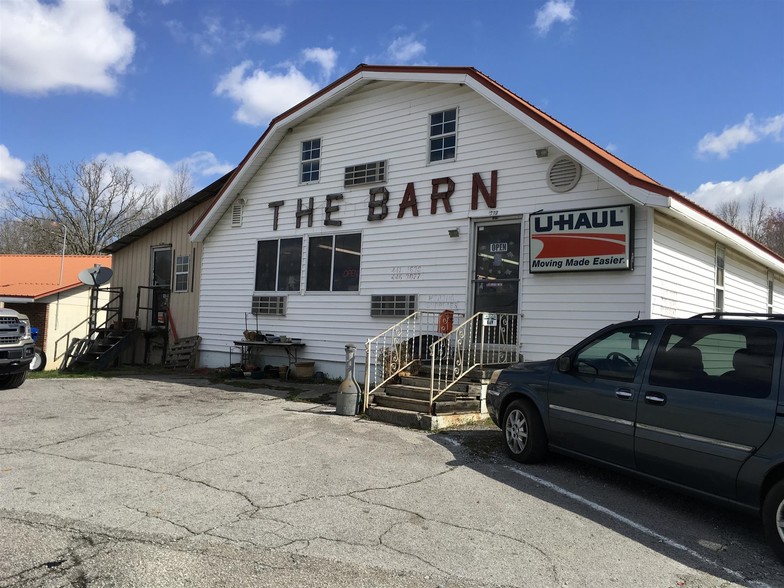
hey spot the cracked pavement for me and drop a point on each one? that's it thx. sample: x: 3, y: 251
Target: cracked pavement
x: 179, y: 482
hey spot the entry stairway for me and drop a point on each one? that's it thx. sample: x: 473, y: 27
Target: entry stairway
x: 425, y: 373
x: 98, y: 350
x: 106, y: 334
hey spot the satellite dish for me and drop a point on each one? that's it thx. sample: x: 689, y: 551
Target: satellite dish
x: 95, y: 276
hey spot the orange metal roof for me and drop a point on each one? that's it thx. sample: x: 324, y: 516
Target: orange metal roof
x: 38, y: 276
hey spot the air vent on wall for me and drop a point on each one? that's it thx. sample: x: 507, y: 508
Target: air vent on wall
x: 563, y: 175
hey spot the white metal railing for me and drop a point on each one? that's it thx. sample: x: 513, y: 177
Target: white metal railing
x: 484, y: 339
x: 394, y: 350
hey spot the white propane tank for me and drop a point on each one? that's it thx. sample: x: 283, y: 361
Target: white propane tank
x: 348, y: 391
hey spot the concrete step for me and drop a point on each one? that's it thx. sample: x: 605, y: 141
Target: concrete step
x: 440, y: 406
x: 425, y: 422
x: 401, y: 403
x: 423, y: 393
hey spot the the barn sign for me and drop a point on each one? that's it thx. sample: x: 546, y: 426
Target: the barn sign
x: 586, y: 239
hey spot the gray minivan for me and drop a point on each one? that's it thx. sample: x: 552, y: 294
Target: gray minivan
x: 694, y: 403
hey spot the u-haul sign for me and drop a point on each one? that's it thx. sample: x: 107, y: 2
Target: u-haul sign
x: 581, y: 240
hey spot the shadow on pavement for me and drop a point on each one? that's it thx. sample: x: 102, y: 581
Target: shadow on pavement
x: 700, y: 535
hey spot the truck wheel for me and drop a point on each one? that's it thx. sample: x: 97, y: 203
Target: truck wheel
x: 39, y: 361
x: 524, y: 433
x: 9, y: 381
x: 773, y: 518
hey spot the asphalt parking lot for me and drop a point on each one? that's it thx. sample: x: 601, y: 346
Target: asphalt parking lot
x: 151, y: 481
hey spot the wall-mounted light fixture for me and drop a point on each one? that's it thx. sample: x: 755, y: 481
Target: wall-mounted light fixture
x: 542, y: 152
x: 454, y: 232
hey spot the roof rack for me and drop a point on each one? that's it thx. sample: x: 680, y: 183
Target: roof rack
x: 766, y: 315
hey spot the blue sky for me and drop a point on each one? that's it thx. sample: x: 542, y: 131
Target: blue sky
x: 690, y: 92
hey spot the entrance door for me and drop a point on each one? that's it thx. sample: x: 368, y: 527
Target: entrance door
x: 497, y: 268
x: 160, y: 276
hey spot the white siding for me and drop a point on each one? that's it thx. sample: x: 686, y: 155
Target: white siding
x: 389, y: 122
x: 561, y: 309
x: 745, y: 285
x: 683, y: 270
x: 684, y: 278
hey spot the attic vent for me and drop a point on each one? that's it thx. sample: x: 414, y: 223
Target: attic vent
x: 236, y: 213
x: 563, y: 175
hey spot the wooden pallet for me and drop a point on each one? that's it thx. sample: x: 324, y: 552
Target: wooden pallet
x: 182, y: 353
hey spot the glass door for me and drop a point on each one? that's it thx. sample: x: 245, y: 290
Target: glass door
x: 497, y: 268
x: 160, y: 278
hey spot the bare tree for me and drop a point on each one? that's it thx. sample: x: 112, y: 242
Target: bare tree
x: 756, y: 219
x: 773, y: 230
x: 756, y: 212
x: 90, y: 203
x: 729, y: 211
x: 179, y: 188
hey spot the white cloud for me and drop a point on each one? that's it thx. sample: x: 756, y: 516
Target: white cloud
x: 749, y: 131
x: 76, y: 45
x: 405, y: 49
x: 326, y: 58
x: 270, y: 36
x: 552, y: 12
x: 215, y: 35
x: 11, y: 168
x: 262, y: 95
x: 767, y: 185
x: 149, y: 170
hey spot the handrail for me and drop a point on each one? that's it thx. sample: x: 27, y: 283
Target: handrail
x: 156, y: 290
x: 111, y: 312
x: 483, y: 339
x: 395, y: 349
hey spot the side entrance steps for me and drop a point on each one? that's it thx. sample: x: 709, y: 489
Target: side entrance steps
x: 406, y: 401
x: 99, y: 351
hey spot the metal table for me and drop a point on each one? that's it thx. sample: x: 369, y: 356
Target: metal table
x: 291, y: 349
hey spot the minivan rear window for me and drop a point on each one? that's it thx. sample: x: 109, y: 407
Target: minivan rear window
x: 724, y: 359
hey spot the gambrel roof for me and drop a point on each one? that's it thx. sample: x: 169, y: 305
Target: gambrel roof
x: 630, y: 181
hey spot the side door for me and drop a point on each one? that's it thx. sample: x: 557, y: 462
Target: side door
x: 709, y: 402
x: 160, y: 278
x: 592, y: 405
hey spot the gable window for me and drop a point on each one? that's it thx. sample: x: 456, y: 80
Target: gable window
x: 719, y: 277
x: 278, y: 265
x: 443, y: 135
x: 333, y: 263
x: 366, y: 173
x: 311, y: 161
x: 182, y: 267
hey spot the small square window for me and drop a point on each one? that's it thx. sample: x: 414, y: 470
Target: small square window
x: 443, y: 135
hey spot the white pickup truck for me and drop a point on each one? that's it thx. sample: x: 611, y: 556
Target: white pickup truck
x: 17, y: 348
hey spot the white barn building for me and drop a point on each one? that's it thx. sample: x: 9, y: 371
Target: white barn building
x: 429, y: 188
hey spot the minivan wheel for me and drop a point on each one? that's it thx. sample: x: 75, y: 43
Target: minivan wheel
x: 773, y: 518
x: 524, y: 433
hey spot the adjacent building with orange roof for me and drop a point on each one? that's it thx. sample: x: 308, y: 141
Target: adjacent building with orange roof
x: 47, y: 289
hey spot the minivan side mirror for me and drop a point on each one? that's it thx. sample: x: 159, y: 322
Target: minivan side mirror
x: 563, y: 364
